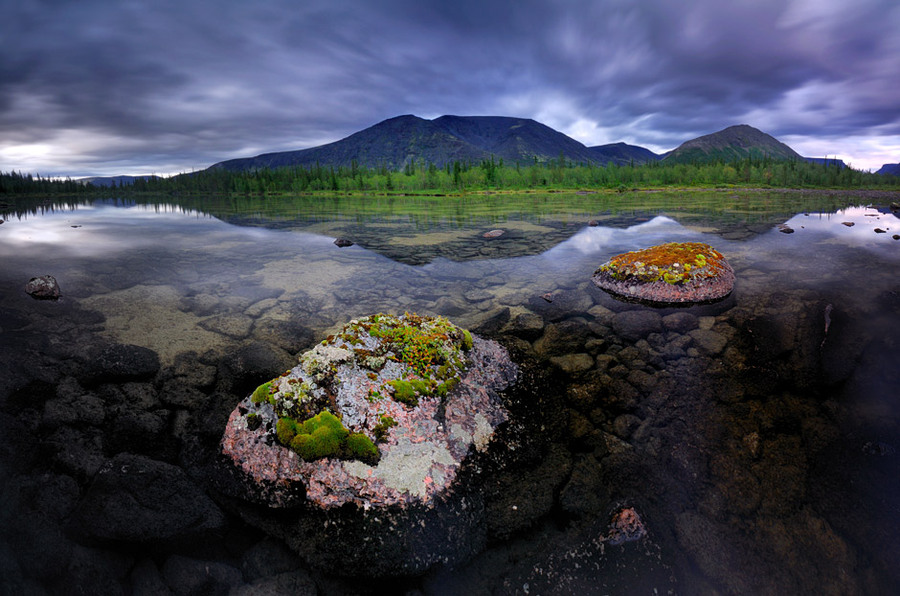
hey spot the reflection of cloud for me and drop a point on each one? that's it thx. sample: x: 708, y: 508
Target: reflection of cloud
x: 602, y: 240
x: 861, y: 233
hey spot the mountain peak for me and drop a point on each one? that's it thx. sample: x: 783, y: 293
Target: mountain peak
x: 733, y: 143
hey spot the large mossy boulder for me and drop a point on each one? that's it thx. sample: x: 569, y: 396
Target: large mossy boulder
x: 365, y: 457
x: 673, y: 273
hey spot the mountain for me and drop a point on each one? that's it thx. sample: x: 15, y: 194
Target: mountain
x: 395, y: 142
x: 622, y: 154
x: 826, y: 161
x: 114, y: 180
x: 731, y: 144
x: 891, y: 169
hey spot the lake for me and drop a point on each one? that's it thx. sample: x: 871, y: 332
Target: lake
x: 756, y: 437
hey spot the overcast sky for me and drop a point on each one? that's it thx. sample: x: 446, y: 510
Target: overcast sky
x: 102, y: 87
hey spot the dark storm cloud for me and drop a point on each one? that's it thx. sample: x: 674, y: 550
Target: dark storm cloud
x: 101, y: 87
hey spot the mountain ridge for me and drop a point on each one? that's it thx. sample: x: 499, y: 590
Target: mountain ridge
x: 397, y: 142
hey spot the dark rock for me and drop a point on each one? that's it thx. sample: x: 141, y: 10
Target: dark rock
x: 785, y: 229
x: 491, y: 322
x: 147, y: 580
x: 896, y: 236
x: 119, y: 362
x: 137, y: 499
x: 187, y: 576
x: 294, y: 583
x: 680, y: 322
x: 44, y: 287
x: 563, y: 338
x: 527, y: 326
x: 633, y: 325
x: 93, y: 571
x: 586, y: 493
x: 849, y: 224
x: 267, y: 558
x: 243, y: 370
x: 880, y: 231
x: 343, y: 242
x: 287, y: 335
x: 561, y: 304
x: 593, y: 223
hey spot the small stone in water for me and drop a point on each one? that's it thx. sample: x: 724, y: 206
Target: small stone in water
x: 849, y: 224
x: 493, y: 234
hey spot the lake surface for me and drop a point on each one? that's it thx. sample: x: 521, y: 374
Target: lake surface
x: 756, y: 437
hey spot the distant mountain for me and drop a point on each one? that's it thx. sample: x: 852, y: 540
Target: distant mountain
x: 114, y: 180
x: 891, y: 169
x: 731, y: 144
x: 826, y: 161
x: 395, y: 142
x: 622, y: 154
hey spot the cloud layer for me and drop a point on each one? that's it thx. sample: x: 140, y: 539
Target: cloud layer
x: 143, y: 86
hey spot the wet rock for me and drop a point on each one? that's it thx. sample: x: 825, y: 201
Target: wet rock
x: 671, y: 273
x: 187, y: 576
x: 563, y: 338
x: 493, y: 234
x: 849, y: 224
x: 343, y: 242
x: 310, y: 453
x: 633, y: 325
x: 708, y: 341
x: 140, y: 500
x: 573, y: 364
x: 785, y: 229
x: 147, y: 580
x: 485, y: 323
x: 528, y: 326
x: 95, y: 571
x: 290, y: 336
x: 234, y: 326
x: 251, y: 364
x: 267, y: 558
x: 625, y: 424
x: 294, y: 583
x: 586, y: 493
x: 44, y: 287
x: 680, y: 322
x: 119, y: 363
x: 562, y: 304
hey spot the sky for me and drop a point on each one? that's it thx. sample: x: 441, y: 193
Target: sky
x: 106, y: 87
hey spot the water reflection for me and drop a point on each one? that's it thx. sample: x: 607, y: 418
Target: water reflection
x: 739, y: 430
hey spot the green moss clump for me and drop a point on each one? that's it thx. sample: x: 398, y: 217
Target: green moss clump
x: 261, y: 393
x: 467, y: 342
x: 361, y: 447
x: 324, y: 435
x: 381, y: 429
x: 408, y: 391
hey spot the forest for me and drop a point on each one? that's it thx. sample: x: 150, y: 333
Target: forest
x: 490, y: 174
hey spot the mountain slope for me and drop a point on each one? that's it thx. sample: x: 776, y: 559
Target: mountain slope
x: 891, y: 169
x: 622, y: 154
x: 731, y: 144
x: 395, y: 142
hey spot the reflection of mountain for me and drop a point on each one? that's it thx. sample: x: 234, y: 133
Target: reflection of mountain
x: 416, y: 230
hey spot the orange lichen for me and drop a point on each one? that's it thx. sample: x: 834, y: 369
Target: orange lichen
x: 673, y: 263
x: 673, y: 272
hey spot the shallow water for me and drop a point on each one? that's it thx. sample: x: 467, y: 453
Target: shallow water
x: 757, y: 437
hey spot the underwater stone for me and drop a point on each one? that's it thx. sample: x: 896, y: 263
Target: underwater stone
x: 44, y: 287
x: 672, y: 273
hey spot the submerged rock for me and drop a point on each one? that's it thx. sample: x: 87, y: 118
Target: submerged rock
x: 672, y: 273
x: 362, y: 446
x: 44, y: 287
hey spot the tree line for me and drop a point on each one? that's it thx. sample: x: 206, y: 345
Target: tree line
x: 453, y: 177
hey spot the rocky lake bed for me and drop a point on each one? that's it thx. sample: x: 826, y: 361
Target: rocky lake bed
x: 743, y: 446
